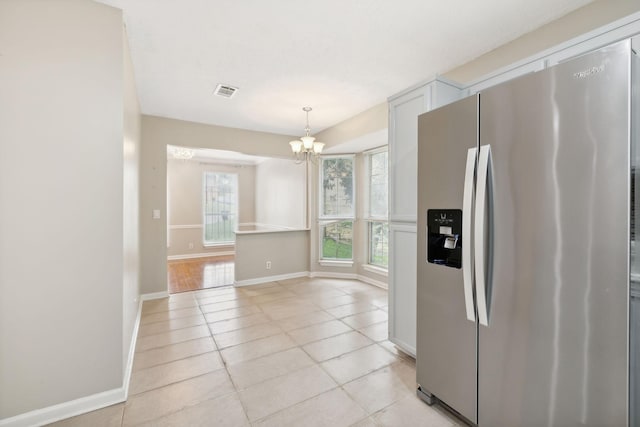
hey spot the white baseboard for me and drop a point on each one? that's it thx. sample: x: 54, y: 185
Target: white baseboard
x: 85, y: 404
x: 373, y: 282
x: 154, y: 295
x: 333, y: 275
x: 406, y: 348
x: 351, y: 276
x: 65, y: 410
x: 200, y: 255
x: 267, y: 279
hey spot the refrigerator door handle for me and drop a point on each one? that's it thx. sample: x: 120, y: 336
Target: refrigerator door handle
x: 467, y: 214
x: 484, y: 161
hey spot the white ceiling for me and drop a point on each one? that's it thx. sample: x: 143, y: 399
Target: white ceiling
x: 340, y: 57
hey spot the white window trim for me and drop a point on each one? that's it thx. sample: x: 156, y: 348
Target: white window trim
x: 217, y: 245
x: 367, y: 193
x: 324, y: 220
x: 204, y: 222
x: 321, y: 215
x: 328, y: 262
x: 368, y: 218
x: 368, y: 266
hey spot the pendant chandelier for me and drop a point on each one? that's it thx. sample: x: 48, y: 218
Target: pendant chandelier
x: 305, y: 149
x: 180, y: 153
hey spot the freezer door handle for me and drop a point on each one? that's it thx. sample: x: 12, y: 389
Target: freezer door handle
x: 467, y: 215
x: 484, y: 162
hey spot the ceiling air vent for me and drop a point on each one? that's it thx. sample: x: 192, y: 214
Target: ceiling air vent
x: 225, y: 91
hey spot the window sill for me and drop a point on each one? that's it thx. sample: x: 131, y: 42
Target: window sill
x: 335, y: 263
x: 375, y: 269
x: 219, y: 245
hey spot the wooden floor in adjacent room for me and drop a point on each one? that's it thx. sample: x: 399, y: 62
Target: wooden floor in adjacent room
x: 200, y: 273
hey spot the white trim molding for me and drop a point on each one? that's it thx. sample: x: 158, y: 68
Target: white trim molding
x: 200, y: 255
x: 332, y: 275
x: 154, y: 295
x: 370, y: 281
x: 85, y: 404
x: 376, y: 270
x: 66, y: 410
x: 349, y: 276
x: 335, y: 263
x: 266, y: 279
x: 273, y: 226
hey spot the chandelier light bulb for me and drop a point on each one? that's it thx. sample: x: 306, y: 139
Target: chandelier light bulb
x: 306, y: 148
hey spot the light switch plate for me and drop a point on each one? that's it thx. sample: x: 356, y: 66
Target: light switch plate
x: 156, y: 214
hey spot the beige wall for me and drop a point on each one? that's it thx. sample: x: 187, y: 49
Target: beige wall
x: 131, y: 202
x: 157, y: 133
x: 184, y: 181
x: 281, y: 193
x: 368, y: 122
x: 581, y: 21
x: 61, y: 192
x: 288, y: 252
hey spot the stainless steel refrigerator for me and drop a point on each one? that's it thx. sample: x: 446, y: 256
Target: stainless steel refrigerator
x: 524, y: 211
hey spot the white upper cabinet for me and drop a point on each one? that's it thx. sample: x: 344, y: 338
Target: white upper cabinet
x: 404, y: 110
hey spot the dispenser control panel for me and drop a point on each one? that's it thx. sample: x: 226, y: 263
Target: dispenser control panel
x: 444, y: 237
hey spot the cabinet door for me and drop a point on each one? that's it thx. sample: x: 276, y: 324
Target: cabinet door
x: 402, y: 286
x: 403, y: 143
x: 403, y: 147
x: 403, y: 201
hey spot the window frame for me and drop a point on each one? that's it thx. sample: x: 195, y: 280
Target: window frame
x: 370, y: 263
x: 321, y: 214
x: 327, y: 220
x: 210, y: 244
x: 370, y: 218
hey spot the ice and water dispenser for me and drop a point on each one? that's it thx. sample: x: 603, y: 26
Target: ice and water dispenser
x: 444, y: 237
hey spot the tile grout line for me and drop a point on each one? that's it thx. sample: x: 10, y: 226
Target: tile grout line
x: 301, y: 296
x: 226, y: 368
x: 260, y: 309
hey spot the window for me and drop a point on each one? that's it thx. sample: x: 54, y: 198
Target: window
x: 379, y: 243
x: 220, y: 207
x: 378, y: 228
x: 336, y: 208
x: 337, y: 240
x: 337, y: 187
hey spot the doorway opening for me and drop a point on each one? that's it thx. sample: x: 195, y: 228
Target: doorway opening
x: 219, y: 202
x: 209, y: 194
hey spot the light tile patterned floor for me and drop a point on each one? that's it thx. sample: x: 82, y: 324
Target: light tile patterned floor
x: 303, y: 352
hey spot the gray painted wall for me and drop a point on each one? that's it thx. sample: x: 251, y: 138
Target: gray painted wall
x: 131, y: 202
x: 288, y: 252
x: 61, y: 192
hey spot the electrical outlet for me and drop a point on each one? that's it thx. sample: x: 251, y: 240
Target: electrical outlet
x: 268, y: 265
x: 190, y: 245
